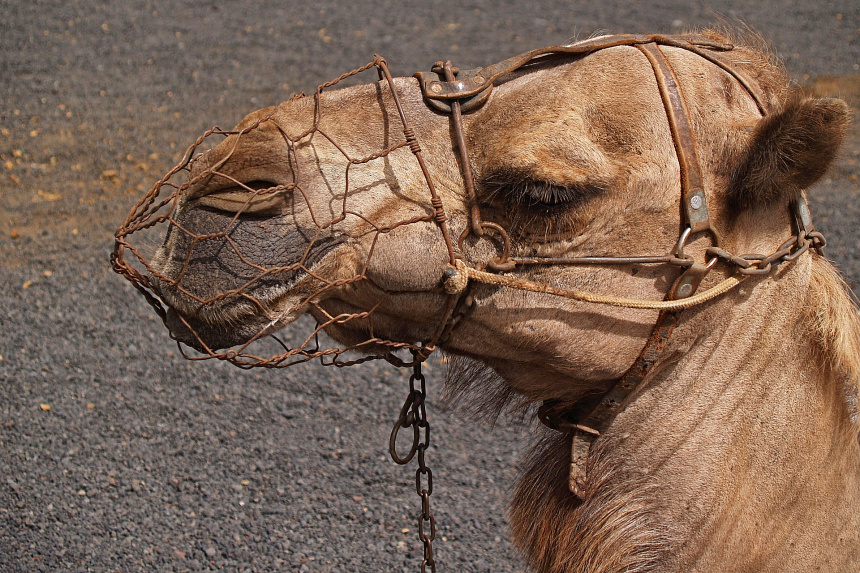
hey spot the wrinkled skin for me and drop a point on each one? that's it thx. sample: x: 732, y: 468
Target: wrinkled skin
x: 739, y: 454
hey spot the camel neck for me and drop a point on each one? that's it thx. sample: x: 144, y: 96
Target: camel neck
x: 743, y: 433
x: 745, y: 436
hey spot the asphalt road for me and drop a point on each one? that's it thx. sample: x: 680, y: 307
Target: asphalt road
x: 118, y: 455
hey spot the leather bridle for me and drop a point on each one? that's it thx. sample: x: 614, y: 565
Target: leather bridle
x: 455, y: 92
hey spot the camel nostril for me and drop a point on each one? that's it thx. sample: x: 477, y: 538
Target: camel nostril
x: 252, y: 198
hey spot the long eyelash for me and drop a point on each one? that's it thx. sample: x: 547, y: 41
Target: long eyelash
x: 541, y: 195
x: 542, y: 209
x: 530, y: 193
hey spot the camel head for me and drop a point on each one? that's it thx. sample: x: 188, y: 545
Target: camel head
x: 319, y: 206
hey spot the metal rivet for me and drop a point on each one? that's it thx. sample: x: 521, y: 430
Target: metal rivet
x: 685, y: 290
x: 435, y: 87
x: 695, y: 201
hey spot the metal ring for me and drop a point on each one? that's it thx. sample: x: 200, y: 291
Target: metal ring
x: 466, y: 104
x: 682, y: 241
x: 502, y: 263
x: 402, y: 422
x: 710, y: 264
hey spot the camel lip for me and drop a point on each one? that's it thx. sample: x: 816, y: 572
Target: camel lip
x: 207, y: 336
x: 204, y: 337
x: 191, y: 332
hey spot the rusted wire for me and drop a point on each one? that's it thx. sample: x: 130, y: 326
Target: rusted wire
x: 158, y: 209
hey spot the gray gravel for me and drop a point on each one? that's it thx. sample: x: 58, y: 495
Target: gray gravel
x: 118, y: 455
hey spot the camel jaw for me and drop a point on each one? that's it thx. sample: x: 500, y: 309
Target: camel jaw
x: 202, y: 336
x: 236, y: 321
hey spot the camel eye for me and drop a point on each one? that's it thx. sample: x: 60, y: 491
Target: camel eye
x: 533, y: 207
x: 519, y: 191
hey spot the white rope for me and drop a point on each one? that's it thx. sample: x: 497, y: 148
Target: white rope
x: 457, y: 278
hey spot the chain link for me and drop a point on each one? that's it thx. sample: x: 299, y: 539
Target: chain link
x: 787, y: 252
x: 414, y: 414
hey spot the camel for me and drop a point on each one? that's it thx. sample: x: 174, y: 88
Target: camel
x: 487, y: 238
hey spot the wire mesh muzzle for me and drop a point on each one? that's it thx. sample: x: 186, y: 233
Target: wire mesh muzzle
x: 163, y: 247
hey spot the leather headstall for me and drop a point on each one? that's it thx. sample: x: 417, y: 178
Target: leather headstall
x: 451, y: 91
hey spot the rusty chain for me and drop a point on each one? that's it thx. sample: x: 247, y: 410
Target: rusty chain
x: 414, y: 414
x: 787, y: 252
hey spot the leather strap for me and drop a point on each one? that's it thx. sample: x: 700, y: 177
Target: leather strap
x: 692, y: 183
x: 587, y: 428
x: 473, y: 87
x: 472, y: 82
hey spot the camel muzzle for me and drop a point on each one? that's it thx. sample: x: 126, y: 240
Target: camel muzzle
x: 229, y: 208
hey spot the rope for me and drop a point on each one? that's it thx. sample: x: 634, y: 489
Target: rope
x: 457, y: 277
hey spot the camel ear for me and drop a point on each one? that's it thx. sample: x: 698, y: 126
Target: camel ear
x: 789, y: 151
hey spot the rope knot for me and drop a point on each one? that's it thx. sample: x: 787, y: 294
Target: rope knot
x: 456, y: 277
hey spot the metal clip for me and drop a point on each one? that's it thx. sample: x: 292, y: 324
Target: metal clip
x: 439, y: 93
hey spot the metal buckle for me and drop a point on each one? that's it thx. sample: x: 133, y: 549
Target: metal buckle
x: 438, y: 93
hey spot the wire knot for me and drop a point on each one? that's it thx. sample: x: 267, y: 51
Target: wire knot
x: 440, y: 209
x: 412, y: 140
